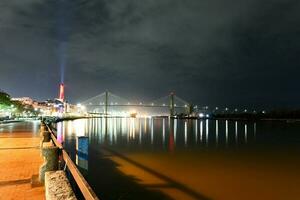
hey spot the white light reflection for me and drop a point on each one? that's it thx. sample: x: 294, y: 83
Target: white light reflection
x: 226, y: 131
x: 145, y: 125
x: 201, y: 131
x: 196, y: 131
x: 217, y: 132
x: 236, y: 132
x: 185, y: 133
x: 110, y: 129
x: 164, y: 131
x: 175, y: 130
x: 152, y: 131
x: 115, y: 131
x: 60, y: 132
x: 78, y: 127
x: 140, y: 131
x: 95, y: 126
x: 207, y: 130
x: 246, y: 133
x: 133, y: 127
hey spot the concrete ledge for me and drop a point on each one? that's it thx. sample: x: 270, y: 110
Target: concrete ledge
x: 47, y: 144
x: 57, y: 186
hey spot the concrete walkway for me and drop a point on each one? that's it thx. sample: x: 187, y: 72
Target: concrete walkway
x: 20, y: 161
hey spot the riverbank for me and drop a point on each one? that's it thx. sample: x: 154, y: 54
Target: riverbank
x: 20, y: 161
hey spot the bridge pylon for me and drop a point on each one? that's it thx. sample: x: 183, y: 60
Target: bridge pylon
x: 106, y: 103
x: 172, y: 107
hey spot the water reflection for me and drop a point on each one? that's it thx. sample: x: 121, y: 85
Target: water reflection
x: 122, y: 150
x: 60, y: 133
x: 185, y: 133
x: 196, y: 131
x: 226, y: 129
x: 236, y: 132
x: 152, y: 131
x: 201, y: 131
x: 78, y: 127
x: 160, y: 132
x: 217, y: 132
x: 175, y: 130
x: 246, y: 133
x: 207, y: 131
x: 140, y: 133
x: 164, y: 131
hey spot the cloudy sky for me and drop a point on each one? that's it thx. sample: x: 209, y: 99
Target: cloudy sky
x: 210, y: 52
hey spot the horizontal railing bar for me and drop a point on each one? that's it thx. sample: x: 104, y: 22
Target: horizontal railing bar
x: 83, y: 185
x: 85, y: 188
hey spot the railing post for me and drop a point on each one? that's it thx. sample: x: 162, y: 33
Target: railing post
x: 43, y: 127
x: 45, y: 137
x: 50, y: 155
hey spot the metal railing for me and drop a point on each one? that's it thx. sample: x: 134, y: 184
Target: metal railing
x: 83, y: 185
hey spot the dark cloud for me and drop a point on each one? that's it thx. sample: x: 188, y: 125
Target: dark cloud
x: 213, y: 52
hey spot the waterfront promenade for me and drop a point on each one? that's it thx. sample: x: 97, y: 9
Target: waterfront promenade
x: 20, y: 161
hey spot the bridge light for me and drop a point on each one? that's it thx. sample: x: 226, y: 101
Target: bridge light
x: 185, y: 105
x: 164, y: 104
x: 152, y: 104
x: 175, y: 104
x: 141, y: 103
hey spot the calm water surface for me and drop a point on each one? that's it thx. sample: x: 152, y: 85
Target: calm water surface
x: 148, y: 158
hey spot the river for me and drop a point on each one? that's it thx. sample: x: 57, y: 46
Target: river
x: 162, y: 158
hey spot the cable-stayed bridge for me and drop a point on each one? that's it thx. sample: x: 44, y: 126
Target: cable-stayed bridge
x: 106, y: 103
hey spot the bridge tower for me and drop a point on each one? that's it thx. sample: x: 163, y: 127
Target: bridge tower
x: 172, y: 108
x: 106, y: 103
x: 190, y: 109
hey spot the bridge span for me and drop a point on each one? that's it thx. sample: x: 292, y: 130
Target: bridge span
x: 101, y: 103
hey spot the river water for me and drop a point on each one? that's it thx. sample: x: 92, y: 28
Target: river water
x: 162, y: 158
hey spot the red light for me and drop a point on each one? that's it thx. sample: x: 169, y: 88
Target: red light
x: 62, y: 92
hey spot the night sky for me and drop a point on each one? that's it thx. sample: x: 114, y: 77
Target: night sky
x: 210, y: 52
